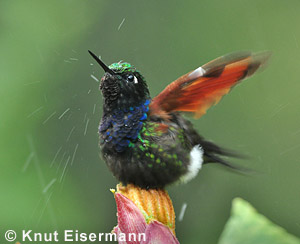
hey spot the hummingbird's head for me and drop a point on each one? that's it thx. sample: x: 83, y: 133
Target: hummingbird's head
x: 122, y: 86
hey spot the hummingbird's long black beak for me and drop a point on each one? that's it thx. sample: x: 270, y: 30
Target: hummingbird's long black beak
x: 103, y: 65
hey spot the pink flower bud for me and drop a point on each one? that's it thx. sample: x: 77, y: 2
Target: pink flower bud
x: 144, y: 216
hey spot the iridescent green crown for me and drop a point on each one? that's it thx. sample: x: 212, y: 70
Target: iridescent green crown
x: 121, y: 67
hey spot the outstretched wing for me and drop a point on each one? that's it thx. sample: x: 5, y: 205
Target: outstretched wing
x: 203, y: 87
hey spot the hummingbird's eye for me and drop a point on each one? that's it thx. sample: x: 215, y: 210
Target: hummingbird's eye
x: 132, y: 78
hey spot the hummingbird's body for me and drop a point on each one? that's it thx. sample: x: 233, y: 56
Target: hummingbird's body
x: 146, y: 151
x: 146, y: 141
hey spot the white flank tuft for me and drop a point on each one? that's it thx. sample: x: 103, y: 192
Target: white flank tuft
x: 196, y: 161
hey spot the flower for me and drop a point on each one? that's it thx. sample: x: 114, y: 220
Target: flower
x: 144, y: 216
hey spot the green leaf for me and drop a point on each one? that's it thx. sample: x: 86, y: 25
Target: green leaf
x: 246, y: 226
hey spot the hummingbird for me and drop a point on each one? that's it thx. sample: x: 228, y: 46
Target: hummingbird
x: 147, y: 141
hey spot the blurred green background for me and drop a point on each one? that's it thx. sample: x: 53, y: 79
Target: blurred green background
x: 51, y: 174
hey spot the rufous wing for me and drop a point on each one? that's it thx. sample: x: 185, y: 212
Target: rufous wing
x: 203, y: 87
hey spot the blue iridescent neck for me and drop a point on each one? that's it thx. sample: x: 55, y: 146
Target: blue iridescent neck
x: 122, y: 126
x: 137, y: 109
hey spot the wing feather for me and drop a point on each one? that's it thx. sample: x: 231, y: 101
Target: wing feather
x: 203, y: 87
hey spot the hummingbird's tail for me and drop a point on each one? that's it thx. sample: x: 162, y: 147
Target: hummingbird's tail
x: 215, y: 154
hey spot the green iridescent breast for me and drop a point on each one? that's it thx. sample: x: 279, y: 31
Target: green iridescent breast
x: 121, y: 67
